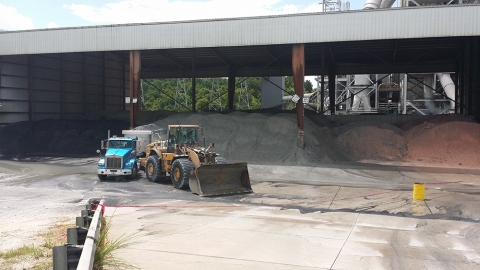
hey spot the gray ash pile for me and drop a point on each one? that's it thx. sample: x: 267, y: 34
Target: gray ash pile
x: 262, y: 139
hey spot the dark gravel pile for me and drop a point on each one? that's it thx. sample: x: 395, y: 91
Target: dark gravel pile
x: 70, y: 138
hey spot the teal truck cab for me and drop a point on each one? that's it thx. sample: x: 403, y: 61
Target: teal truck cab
x: 120, y: 158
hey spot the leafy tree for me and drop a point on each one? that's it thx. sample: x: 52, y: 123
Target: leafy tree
x: 161, y: 94
x: 307, y: 85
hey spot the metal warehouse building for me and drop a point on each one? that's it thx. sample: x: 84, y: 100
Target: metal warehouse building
x: 66, y: 73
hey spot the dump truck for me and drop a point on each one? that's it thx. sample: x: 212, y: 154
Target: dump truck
x: 120, y: 158
x: 176, y: 153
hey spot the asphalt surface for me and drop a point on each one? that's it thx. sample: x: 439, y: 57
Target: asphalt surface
x: 350, y: 216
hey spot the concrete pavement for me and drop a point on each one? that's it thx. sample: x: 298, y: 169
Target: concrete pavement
x: 179, y: 234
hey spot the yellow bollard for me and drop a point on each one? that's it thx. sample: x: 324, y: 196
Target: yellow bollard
x: 419, y: 191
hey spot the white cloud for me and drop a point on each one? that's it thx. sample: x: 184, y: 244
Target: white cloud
x: 137, y: 11
x: 52, y: 25
x: 11, y: 20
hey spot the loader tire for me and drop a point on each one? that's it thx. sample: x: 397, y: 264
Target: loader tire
x: 152, y: 168
x: 220, y: 160
x: 180, y: 174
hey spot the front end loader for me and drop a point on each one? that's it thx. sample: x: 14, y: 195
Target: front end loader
x: 188, y: 164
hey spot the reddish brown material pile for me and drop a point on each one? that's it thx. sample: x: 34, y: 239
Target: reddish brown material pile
x: 444, y: 140
x: 452, y: 143
x: 373, y: 143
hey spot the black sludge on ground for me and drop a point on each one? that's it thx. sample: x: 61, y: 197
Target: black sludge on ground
x: 73, y: 138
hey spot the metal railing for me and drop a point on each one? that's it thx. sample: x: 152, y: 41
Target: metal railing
x: 79, y: 252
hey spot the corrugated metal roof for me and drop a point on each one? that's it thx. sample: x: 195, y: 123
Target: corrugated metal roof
x: 424, y: 22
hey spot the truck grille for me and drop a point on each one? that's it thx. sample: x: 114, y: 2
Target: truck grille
x: 114, y: 162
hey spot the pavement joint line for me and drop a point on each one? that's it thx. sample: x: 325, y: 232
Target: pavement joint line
x: 227, y: 258
x: 334, y: 197
x: 426, y: 204
x: 350, y: 233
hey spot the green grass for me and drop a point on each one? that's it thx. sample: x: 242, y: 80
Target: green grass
x: 39, y: 257
x: 20, y: 252
x: 105, y: 248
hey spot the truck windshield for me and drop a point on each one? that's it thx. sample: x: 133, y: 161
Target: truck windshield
x: 119, y: 144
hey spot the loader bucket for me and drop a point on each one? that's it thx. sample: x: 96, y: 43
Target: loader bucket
x: 220, y: 179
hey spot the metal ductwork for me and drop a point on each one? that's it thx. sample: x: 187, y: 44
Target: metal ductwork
x: 428, y: 95
x: 372, y: 4
x: 387, y: 3
x: 448, y: 87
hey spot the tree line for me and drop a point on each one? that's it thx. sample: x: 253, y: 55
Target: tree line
x: 211, y: 93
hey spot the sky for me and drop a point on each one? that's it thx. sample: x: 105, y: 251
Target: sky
x: 36, y: 14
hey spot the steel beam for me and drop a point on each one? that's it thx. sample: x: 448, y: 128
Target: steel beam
x: 322, y: 83
x: 298, y: 67
x: 135, y: 75
x: 332, y: 89
x: 231, y: 88
x: 463, y: 82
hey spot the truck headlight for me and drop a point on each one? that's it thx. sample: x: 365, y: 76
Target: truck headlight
x: 101, y: 162
x: 128, y: 164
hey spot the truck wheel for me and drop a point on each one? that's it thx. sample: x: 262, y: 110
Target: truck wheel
x: 102, y: 177
x: 152, y: 168
x: 180, y: 174
x: 134, y: 172
x: 220, y: 160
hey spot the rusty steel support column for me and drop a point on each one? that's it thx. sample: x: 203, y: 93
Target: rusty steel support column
x: 231, y: 88
x: 30, y: 87
x: 194, y: 84
x: 298, y: 65
x: 135, y: 71
x: 322, y: 83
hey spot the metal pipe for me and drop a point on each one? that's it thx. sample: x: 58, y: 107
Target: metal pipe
x: 372, y: 4
x: 387, y: 3
x: 448, y: 87
x: 88, y: 253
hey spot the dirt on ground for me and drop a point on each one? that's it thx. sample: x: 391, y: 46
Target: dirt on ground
x: 271, y: 138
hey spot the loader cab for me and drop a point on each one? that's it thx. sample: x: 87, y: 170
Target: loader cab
x: 182, y: 136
